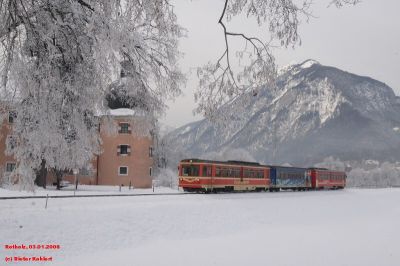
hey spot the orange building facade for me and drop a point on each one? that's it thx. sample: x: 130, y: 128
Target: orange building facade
x: 126, y: 158
x: 7, y: 162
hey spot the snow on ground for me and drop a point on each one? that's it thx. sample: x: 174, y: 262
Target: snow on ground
x: 349, y: 227
x: 82, y: 190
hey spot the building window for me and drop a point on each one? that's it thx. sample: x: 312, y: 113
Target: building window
x: 124, y: 128
x: 123, y: 170
x: 11, y: 116
x: 10, y: 167
x: 124, y: 150
x: 150, y: 171
x: 150, y: 151
x: 84, y: 171
x: 11, y: 142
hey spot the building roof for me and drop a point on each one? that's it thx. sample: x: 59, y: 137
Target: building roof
x: 119, y: 112
x: 122, y: 112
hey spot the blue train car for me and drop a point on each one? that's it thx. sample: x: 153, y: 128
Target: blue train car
x: 289, y: 178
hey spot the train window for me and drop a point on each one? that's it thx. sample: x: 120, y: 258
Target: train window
x: 260, y: 174
x: 221, y: 172
x: 206, y: 170
x: 236, y: 172
x: 227, y: 172
x: 224, y: 172
x: 190, y: 170
x: 251, y: 174
x: 217, y: 171
x: 246, y: 173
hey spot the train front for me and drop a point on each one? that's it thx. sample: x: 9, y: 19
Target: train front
x: 189, y: 176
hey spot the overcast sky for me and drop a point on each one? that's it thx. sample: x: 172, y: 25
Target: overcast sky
x: 364, y: 40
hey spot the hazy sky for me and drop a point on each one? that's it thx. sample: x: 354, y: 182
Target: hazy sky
x: 364, y: 39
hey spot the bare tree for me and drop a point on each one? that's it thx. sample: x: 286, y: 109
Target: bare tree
x: 221, y: 81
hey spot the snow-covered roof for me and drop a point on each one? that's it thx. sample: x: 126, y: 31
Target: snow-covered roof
x: 118, y: 112
x: 121, y: 112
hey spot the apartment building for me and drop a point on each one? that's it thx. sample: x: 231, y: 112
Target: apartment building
x: 126, y: 158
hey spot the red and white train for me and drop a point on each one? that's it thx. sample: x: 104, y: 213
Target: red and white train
x: 213, y: 176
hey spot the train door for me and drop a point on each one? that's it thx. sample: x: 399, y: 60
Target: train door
x: 308, y: 178
x: 273, y: 173
x: 267, y: 178
x: 207, y: 175
x: 238, y: 181
x: 314, y: 179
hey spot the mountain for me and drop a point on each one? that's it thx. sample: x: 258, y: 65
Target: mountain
x: 315, y: 111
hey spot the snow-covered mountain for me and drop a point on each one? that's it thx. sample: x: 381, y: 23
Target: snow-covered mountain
x: 314, y: 112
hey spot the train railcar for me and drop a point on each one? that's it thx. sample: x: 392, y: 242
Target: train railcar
x: 213, y: 176
x: 322, y: 178
x: 293, y: 178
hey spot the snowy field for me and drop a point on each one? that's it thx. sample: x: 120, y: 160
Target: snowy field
x: 15, y: 191
x: 349, y: 227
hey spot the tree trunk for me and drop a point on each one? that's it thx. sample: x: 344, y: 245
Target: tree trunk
x: 76, y: 182
x: 59, y: 175
x: 41, y: 177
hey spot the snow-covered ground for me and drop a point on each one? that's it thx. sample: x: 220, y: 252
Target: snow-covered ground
x: 15, y: 191
x: 349, y: 227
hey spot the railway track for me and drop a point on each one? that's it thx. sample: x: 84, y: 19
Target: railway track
x: 93, y: 196
x: 123, y: 195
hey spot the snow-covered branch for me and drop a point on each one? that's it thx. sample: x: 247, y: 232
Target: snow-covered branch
x: 61, y: 58
x: 222, y: 81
